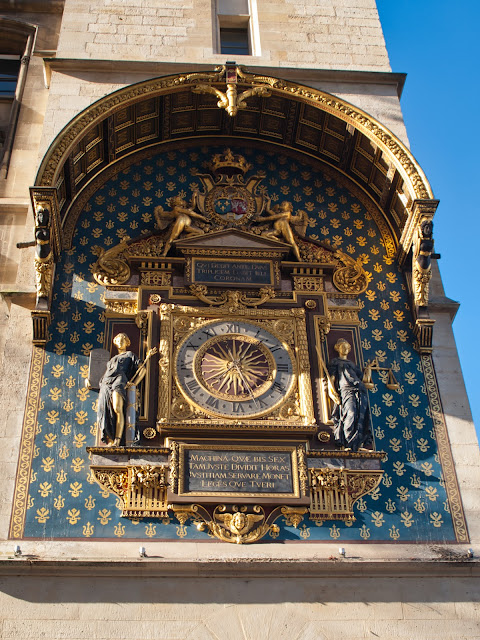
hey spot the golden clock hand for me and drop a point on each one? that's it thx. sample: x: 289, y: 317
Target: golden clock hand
x: 235, y: 366
x: 225, y: 374
x: 249, y: 388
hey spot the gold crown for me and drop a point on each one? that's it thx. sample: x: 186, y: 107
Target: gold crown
x: 229, y: 163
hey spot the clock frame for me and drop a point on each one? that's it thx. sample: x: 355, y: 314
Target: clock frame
x: 196, y: 393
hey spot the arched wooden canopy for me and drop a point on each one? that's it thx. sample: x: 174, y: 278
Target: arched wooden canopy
x: 155, y: 112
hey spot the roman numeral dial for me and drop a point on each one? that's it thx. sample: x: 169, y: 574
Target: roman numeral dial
x: 234, y: 369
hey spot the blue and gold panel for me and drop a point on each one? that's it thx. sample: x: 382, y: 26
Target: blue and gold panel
x: 57, y: 496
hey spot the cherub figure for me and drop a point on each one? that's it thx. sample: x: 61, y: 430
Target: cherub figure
x: 283, y: 217
x: 238, y: 523
x: 180, y: 219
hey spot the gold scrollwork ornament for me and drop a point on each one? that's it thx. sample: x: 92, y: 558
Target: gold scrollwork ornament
x: 128, y: 307
x: 109, y: 268
x: 149, y: 477
x: 230, y: 100
x: 351, y: 278
x: 238, y: 524
x: 232, y: 300
x: 113, y: 480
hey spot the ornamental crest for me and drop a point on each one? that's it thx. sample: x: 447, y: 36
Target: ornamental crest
x: 228, y: 198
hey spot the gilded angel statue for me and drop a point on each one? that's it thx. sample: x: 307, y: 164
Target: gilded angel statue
x: 283, y: 219
x: 238, y: 523
x: 179, y: 218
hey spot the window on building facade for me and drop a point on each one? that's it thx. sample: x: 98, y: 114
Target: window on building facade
x: 234, y: 41
x: 9, y: 68
x: 235, y: 25
x: 16, y: 43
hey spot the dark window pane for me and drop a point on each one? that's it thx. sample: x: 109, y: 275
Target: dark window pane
x: 8, y: 76
x: 234, y: 41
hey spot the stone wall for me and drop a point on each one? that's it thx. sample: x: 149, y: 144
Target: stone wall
x: 47, y: 592
x: 334, y: 34
x: 251, y: 603
x: 16, y: 265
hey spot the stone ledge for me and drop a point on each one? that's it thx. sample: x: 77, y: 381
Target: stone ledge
x: 239, y: 568
x: 67, y: 65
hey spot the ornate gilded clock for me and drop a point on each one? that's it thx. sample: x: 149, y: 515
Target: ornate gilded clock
x: 234, y: 369
x: 242, y: 367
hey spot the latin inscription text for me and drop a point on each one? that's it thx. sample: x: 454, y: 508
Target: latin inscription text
x: 238, y: 471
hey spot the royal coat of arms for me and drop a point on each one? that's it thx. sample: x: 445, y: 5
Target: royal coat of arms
x: 228, y: 199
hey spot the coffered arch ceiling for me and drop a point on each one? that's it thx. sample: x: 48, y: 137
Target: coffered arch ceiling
x: 165, y: 109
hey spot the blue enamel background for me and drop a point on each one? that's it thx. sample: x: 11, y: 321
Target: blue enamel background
x: 65, y: 502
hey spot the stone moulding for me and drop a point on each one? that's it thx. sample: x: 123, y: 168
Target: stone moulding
x: 241, y: 566
x: 400, y: 157
x: 349, y: 113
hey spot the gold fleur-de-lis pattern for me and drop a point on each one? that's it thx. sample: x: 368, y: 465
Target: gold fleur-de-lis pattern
x: 64, y: 500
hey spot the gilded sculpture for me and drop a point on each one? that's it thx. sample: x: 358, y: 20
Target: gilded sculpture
x: 229, y: 100
x: 350, y: 415
x: 233, y: 299
x: 123, y: 371
x: 283, y: 219
x: 422, y: 258
x: 178, y: 219
x: 43, y: 252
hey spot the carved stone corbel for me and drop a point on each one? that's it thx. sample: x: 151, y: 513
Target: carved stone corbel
x: 423, y: 330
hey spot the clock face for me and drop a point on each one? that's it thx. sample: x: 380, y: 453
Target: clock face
x: 234, y: 369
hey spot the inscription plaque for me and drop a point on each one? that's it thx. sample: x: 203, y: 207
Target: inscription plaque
x: 238, y: 471
x: 234, y: 273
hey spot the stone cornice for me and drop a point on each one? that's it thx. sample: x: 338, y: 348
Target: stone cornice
x: 240, y: 567
x: 304, y: 75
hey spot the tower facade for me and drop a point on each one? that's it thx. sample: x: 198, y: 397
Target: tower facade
x: 229, y: 375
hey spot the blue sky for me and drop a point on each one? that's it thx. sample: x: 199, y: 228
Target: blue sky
x: 436, y: 44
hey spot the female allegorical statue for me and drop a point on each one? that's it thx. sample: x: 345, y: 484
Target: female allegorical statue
x: 346, y: 387
x: 123, y: 370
